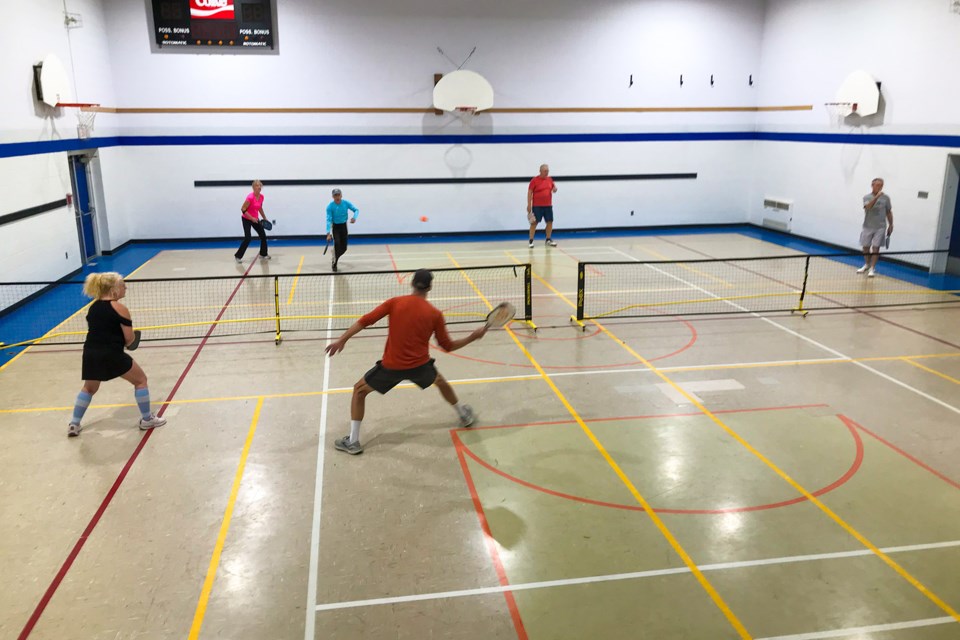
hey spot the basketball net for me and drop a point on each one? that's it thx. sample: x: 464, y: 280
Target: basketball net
x: 85, y: 122
x: 465, y: 114
x: 840, y: 110
x: 86, y: 114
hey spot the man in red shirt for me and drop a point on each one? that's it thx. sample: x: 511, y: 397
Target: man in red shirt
x: 406, y: 356
x: 540, y: 203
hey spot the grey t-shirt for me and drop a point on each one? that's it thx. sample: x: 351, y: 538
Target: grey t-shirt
x: 876, y: 216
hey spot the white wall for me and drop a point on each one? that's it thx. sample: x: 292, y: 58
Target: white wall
x: 827, y: 183
x: 809, y: 46
x: 158, y: 196
x: 912, y: 47
x: 382, y: 53
x: 43, y: 247
x: 36, y: 29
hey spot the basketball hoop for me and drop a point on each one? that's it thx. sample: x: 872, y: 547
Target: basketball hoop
x: 86, y: 113
x: 465, y: 114
x: 840, y: 110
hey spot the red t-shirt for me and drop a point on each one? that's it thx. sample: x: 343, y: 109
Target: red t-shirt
x: 542, y: 191
x: 412, y: 321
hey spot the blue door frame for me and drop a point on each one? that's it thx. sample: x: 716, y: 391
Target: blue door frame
x: 84, y: 211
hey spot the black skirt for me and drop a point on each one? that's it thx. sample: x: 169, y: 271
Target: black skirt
x: 104, y: 363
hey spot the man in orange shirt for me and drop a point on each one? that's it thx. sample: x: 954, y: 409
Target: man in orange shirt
x: 540, y: 203
x: 406, y: 356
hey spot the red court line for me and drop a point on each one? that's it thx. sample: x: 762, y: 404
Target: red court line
x: 692, y: 341
x: 851, y: 423
x: 489, y: 539
x: 573, y: 257
x: 839, y: 482
x: 394, y: 263
x: 692, y: 414
x: 78, y: 546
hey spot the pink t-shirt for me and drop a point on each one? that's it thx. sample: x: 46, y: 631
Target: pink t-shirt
x: 255, y: 205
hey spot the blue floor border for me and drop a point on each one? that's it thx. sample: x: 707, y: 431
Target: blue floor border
x: 52, y: 307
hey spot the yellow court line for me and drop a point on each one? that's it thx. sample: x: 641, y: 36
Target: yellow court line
x: 266, y: 396
x: 493, y: 380
x: 224, y: 528
x: 903, y: 573
x: 681, y: 369
x: 933, y: 371
x: 878, y: 292
x: 293, y: 288
x: 66, y: 320
x: 654, y: 517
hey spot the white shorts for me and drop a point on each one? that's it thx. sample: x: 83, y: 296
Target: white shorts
x: 873, y: 237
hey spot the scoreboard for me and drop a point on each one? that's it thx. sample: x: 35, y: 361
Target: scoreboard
x: 247, y: 24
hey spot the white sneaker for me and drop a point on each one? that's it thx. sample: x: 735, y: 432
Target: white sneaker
x: 468, y: 417
x: 152, y: 422
x: 863, y: 269
x: 238, y: 260
x: 265, y: 257
x: 531, y: 244
x: 871, y: 273
x: 73, y: 430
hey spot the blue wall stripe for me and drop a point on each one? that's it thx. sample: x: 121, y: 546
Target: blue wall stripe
x: 13, y: 149
x: 899, y: 140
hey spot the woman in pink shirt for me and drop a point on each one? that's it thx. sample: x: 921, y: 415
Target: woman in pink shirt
x: 251, y: 213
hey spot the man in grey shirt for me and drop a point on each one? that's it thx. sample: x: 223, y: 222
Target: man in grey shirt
x: 877, y: 225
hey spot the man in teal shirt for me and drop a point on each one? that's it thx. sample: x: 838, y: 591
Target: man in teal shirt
x: 337, y: 224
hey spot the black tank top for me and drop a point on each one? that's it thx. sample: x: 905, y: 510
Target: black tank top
x: 104, y: 325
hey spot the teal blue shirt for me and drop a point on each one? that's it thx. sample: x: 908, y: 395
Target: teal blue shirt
x: 337, y: 213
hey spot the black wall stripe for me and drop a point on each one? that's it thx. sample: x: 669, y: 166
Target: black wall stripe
x: 32, y: 211
x: 405, y: 181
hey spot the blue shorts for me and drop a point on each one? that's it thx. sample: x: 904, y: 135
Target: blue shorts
x: 543, y: 213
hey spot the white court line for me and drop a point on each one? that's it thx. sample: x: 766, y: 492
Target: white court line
x: 417, y: 253
x: 526, y: 586
x: 598, y: 372
x: 309, y: 632
x: 803, y: 337
x: 840, y: 633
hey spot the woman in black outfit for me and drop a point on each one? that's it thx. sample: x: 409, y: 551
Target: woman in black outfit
x: 109, y: 330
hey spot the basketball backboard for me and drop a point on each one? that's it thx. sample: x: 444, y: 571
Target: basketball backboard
x: 860, y: 89
x: 53, y: 82
x: 462, y: 88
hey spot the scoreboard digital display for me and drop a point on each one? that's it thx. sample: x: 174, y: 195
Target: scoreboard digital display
x: 247, y: 24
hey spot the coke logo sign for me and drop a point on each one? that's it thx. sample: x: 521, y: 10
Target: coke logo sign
x: 211, y: 9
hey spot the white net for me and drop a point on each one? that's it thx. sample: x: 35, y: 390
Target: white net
x: 465, y: 115
x: 86, y: 115
x: 839, y: 111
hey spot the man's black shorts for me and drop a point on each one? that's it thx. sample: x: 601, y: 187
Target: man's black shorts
x: 543, y: 213
x: 382, y: 379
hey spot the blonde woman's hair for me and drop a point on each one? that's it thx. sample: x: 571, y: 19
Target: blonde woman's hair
x: 255, y: 183
x: 98, y: 285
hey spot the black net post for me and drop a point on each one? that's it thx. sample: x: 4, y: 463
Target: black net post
x: 581, y: 284
x: 803, y: 288
x: 528, y: 292
x: 276, y: 299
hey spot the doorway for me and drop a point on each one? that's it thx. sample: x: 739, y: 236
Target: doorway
x: 83, y: 207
